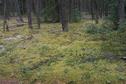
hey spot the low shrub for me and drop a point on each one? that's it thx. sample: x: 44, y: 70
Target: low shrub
x: 75, y: 15
x: 91, y: 29
x: 97, y: 29
x: 122, y: 27
x: 44, y: 49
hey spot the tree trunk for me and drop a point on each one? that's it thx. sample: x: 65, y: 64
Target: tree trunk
x: 29, y: 13
x: 64, y: 14
x: 37, y: 12
x: 121, y: 10
x: 5, y: 23
x: 96, y: 12
x: 18, y: 10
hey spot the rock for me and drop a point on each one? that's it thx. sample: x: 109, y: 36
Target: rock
x: 10, y: 39
x: 29, y: 37
x: 20, y: 24
x: 2, y: 48
x: 88, y: 59
x: 22, y: 47
x: 120, y: 68
x: 123, y: 58
x: 17, y: 37
x: 109, y: 55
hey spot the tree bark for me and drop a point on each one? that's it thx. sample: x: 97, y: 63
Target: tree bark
x: 5, y: 23
x: 37, y: 12
x: 29, y: 13
x: 64, y: 14
x: 121, y: 10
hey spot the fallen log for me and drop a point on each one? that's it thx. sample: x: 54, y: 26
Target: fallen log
x: 123, y: 58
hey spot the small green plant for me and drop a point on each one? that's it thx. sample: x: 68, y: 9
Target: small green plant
x: 122, y: 27
x: 75, y: 15
x: 91, y: 28
x: 71, y: 82
x: 97, y: 29
x: 44, y: 49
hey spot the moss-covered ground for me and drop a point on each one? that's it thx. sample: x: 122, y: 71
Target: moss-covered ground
x: 83, y: 55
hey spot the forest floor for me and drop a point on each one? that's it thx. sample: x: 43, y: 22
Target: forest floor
x: 87, y: 54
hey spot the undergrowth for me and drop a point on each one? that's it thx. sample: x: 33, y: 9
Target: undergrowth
x: 54, y: 57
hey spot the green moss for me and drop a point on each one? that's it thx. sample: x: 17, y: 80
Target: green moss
x: 75, y: 57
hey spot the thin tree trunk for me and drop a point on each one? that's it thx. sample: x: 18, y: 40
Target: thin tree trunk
x: 5, y: 24
x: 64, y: 14
x: 37, y: 11
x: 29, y: 13
x: 18, y: 10
x: 121, y: 10
x: 96, y: 12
